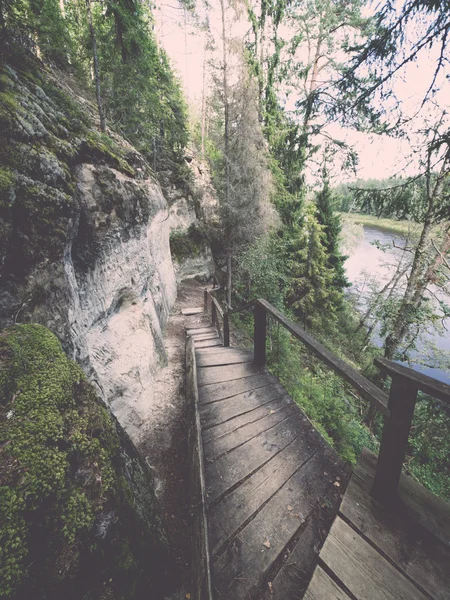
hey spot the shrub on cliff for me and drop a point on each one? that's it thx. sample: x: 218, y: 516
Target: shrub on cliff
x: 69, y: 526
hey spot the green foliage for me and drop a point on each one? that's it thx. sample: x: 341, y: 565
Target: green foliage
x: 332, y: 228
x: 52, y: 427
x: 261, y: 273
x: 394, y: 198
x: 429, y: 454
x: 320, y: 393
x: 312, y: 293
x: 61, y: 472
x: 140, y: 92
x: 188, y: 244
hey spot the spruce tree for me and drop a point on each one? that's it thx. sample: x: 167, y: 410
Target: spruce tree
x: 313, y: 294
x: 331, y: 224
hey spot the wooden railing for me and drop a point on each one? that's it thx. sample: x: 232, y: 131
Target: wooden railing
x: 397, y: 407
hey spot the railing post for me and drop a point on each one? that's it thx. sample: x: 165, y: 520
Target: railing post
x: 213, y: 314
x: 226, y: 329
x: 259, y: 337
x: 394, y: 441
x: 205, y: 301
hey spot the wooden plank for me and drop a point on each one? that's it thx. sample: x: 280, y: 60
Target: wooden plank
x: 394, y: 441
x: 226, y: 517
x: 297, y: 568
x: 200, y: 337
x: 224, y: 350
x: 219, y: 391
x: 429, y: 511
x: 215, y: 342
x: 243, y: 568
x: 216, y: 447
x: 221, y: 374
x: 231, y: 425
x: 297, y: 565
x: 228, y: 357
x: 362, y: 569
x: 196, y: 330
x: 322, y: 587
x: 422, y: 382
x: 191, y: 311
x: 415, y: 552
x: 365, y: 387
x: 231, y: 468
x: 218, y: 412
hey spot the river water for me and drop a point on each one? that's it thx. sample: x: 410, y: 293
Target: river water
x: 366, y: 264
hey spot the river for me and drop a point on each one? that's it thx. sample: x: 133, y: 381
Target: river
x: 366, y: 262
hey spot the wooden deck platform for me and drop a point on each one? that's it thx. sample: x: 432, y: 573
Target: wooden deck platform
x: 375, y: 553
x: 273, y: 485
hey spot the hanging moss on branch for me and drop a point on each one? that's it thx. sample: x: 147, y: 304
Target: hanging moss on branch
x: 68, y: 520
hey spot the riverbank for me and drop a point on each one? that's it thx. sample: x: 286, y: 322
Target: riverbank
x: 402, y: 228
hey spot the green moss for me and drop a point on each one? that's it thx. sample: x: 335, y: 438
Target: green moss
x: 69, y: 519
x: 7, y: 180
x: 51, y: 426
x: 102, y: 147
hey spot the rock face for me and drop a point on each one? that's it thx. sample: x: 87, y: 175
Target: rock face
x: 120, y: 300
x: 85, y: 239
x: 77, y: 508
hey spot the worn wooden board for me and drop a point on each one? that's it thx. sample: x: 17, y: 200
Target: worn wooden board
x: 209, y: 343
x: 362, y: 569
x: 191, y: 311
x: 216, y: 447
x: 226, y: 517
x: 225, y: 357
x: 322, y: 587
x: 219, y: 391
x: 431, y: 512
x: 295, y: 572
x: 223, y: 351
x: 243, y: 568
x: 218, y: 412
x: 201, y: 337
x: 196, y: 330
x: 220, y: 374
x: 231, y: 468
x: 231, y: 425
x: 415, y: 551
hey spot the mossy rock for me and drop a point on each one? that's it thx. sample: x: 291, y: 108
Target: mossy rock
x: 68, y: 523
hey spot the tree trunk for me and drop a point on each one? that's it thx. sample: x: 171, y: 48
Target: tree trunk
x: 229, y: 282
x: 227, y: 145
x: 420, y: 275
x: 96, y: 69
x: 204, y: 104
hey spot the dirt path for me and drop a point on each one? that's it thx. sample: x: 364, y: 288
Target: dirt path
x: 164, y: 441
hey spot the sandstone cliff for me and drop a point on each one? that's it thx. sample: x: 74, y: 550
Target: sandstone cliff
x: 85, y: 232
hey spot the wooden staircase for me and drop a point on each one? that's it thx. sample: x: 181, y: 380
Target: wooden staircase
x: 270, y: 487
x: 272, y: 484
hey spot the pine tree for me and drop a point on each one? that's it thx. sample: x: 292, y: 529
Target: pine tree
x: 331, y: 224
x: 313, y: 295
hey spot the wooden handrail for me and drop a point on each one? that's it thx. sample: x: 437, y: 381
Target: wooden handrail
x: 398, y: 408
x: 423, y: 383
x: 366, y: 388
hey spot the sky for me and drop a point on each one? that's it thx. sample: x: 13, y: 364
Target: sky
x: 379, y: 156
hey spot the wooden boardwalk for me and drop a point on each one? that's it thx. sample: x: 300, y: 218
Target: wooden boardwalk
x: 375, y: 553
x: 273, y: 485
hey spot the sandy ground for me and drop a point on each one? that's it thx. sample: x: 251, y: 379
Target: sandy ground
x: 164, y: 441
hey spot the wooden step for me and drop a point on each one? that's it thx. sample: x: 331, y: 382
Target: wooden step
x: 191, y: 311
x: 213, y: 342
x: 224, y: 356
